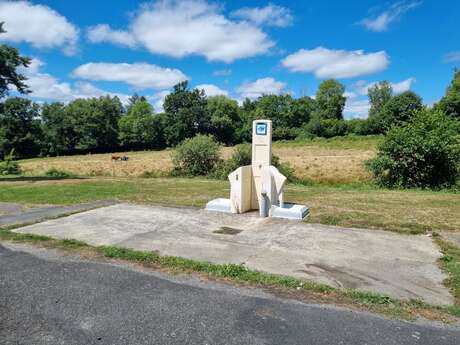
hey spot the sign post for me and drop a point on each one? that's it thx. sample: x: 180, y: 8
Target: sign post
x: 259, y: 186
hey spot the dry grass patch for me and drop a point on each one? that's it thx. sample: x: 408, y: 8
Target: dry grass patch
x: 327, y: 165
x: 139, y: 163
x: 337, y: 160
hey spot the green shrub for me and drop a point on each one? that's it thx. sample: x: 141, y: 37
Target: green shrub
x: 53, y: 172
x: 326, y: 128
x: 367, y: 126
x: 242, y: 155
x: 284, y: 168
x: 424, y: 152
x: 196, y: 156
x: 9, y: 166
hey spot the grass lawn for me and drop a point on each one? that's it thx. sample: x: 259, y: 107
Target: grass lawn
x: 357, y: 205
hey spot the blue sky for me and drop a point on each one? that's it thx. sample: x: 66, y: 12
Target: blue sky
x: 238, y: 48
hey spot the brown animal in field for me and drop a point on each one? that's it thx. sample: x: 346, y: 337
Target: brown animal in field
x: 120, y: 158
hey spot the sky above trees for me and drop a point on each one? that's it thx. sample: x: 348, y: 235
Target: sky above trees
x: 239, y: 49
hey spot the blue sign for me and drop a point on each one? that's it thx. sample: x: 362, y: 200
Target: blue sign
x: 261, y: 128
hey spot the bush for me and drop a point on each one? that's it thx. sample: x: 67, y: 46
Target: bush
x: 369, y: 126
x: 53, y: 172
x: 424, y: 152
x: 197, y: 156
x: 242, y: 155
x: 284, y: 168
x: 9, y: 166
x: 326, y: 128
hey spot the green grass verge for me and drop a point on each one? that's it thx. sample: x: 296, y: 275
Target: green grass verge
x: 349, y: 205
x: 239, y: 274
x: 450, y: 262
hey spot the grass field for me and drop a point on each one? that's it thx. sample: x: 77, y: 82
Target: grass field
x: 359, y: 205
x: 337, y: 160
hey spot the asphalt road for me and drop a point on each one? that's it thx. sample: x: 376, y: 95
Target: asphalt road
x: 46, y: 298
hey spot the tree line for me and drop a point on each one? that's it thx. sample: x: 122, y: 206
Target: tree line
x: 104, y: 124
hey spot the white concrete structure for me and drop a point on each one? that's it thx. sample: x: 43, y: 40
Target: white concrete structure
x: 259, y: 186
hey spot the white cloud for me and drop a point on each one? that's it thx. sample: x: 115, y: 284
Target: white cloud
x: 328, y: 63
x: 103, y: 33
x: 88, y: 90
x: 452, y: 57
x: 382, y: 21
x: 38, y: 25
x: 190, y: 27
x: 361, y: 87
x: 270, y: 15
x: 222, y: 72
x: 350, y: 94
x: 47, y: 87
x: 139, y: 75
x: 212, y: 90
x: 403, y: 86
x: 158, y: 100
x: 264, y: 86
x: 356, y: 109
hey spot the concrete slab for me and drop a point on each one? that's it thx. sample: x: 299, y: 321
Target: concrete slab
x: 17, y: 214
x: 401, y: 266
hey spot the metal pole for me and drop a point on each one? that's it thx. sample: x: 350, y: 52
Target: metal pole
x: 263, y: 212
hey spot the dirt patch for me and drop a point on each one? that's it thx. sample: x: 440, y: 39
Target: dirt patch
x: 225, y: 230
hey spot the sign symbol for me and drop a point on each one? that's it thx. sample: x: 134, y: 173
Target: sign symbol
x: 261, y: 128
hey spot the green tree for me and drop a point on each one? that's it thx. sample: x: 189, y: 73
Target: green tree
x: 303, y: 108
x: 58, y: 129
x: 400, y: 109
x: 20, y: 128
x: 379, y: 95
x: 326, y: 128
x: 330, y: 100
x: 95, y: 122
x: 225, y: 118
x: 423, y: 152
x: 140, y: 128
x: 279, y: 109
x: 450, y: 103
x: 186, y: 114
x: 133, y: 100
x: 247, y: 110
x: 10, y: 60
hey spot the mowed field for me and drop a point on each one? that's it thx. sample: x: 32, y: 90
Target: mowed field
x: 337, y: 160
